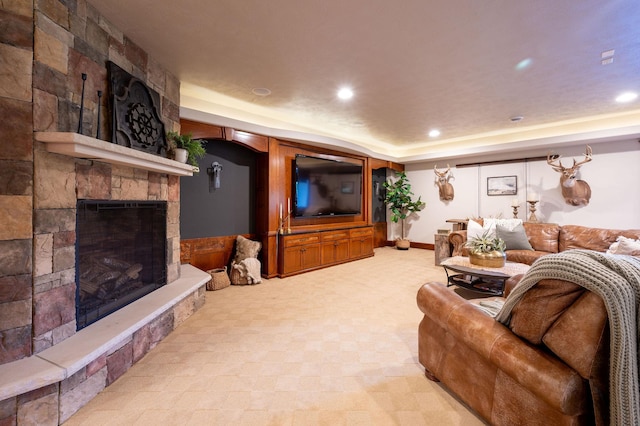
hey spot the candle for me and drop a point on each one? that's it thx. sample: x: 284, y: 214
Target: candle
x: 515, y: 203
x: 280, y: 212
x: 533, y: 196
x: 288, y: 205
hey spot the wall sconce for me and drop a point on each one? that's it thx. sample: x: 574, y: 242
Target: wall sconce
x: 214, y: 173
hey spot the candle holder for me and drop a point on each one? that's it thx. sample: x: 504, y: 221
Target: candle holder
x: 532, y: 210
x: 285, y: 229
x: 515, y: 211
x: 284, y: 225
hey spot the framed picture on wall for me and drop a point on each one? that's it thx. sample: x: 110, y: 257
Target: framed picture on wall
x: 502, y: 185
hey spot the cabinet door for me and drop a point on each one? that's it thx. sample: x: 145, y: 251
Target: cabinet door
x: 362, y: 246
x: 292, y: 260
x: 300, y: 258
x: 361, y: 243
x: 310, y: 256
x: 335, y: 251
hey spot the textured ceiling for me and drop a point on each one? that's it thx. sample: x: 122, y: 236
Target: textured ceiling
x: 413, y: 65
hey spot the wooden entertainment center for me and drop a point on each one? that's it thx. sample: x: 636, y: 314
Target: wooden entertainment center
x: 308, y: 243
x: 306, y: 251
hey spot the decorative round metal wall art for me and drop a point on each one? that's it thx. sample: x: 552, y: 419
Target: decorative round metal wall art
x: 144, y: 127
x: 136, y: 119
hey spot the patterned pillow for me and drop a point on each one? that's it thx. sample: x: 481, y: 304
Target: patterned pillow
x: 509, y: 224
x: 246, y: 248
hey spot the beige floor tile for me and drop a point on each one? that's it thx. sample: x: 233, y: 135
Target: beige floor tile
x: 336, y: 346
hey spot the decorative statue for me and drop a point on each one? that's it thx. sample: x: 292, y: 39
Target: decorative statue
x: 575, y: 191
x: 442, y: 180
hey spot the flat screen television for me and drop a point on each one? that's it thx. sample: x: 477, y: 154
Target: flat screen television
x: 324, y: 187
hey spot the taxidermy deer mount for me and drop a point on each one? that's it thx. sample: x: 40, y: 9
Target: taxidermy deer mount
x: 575, y: 191
x: 442, y: 180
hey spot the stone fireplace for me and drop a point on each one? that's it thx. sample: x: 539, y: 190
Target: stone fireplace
x: 132, y: 202
x: 62, y: 181
x: 48, y: 367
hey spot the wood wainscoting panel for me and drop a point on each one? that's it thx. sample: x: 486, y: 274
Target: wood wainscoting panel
x: 209, y: 253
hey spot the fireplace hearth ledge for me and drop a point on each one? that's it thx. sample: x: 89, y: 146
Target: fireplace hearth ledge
x: 82, y: 146
x: 68, y: 357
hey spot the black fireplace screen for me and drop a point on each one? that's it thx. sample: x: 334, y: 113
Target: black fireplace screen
x: 120, y: 255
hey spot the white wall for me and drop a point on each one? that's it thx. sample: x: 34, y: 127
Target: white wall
x: 613, y: 175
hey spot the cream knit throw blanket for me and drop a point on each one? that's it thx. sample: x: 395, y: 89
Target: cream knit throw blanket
x: 616, y: 279
x: 249, y: 268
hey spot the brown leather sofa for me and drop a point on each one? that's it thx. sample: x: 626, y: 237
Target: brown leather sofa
x: 550, y: 367
x: 548, y: 238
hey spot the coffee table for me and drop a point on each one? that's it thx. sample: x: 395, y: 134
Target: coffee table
x: 462, y: 273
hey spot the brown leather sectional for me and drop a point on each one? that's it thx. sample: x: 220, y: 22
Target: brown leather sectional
x: 550, y: 366
x: 548, y: 238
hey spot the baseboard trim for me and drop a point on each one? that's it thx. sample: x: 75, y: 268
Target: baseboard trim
x: 424, y: 246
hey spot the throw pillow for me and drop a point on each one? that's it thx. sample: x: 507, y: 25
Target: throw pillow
x: 515, y: 239
x: 246, y: 248
x: 624, y: 245
x: 510, y: 224
x: 474, y: 229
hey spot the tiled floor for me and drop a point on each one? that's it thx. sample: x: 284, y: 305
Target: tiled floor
x: 331, y: 347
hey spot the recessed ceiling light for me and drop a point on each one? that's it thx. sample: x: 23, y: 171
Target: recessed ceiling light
x: 626, y: 97
x: 524, y: 64
x: 261, y: 91
x: 345, y: 93
x: 434, y: 133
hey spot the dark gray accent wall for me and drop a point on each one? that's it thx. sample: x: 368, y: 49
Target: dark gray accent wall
x: 228, y: 210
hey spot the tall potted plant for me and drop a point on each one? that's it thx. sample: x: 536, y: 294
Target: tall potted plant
x: 400, y: 201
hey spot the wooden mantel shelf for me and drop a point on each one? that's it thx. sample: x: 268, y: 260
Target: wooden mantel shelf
x: 81, y: 146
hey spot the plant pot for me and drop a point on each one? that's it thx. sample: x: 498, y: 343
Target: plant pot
x: 403, y: 244
x: 493, y: 259
x: 180, y: 155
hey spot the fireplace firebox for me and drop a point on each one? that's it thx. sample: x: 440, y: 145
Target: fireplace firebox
x: 121, y: 255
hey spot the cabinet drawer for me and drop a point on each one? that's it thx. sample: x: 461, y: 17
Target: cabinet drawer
x: 301, y: 240
x: 337, y: 235
x: 361, y: 232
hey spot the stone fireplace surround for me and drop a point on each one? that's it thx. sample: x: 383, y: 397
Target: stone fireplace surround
x: 69, y: 368
x: 47, y: 370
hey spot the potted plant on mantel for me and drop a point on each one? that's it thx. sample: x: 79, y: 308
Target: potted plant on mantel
x: 399, y: 199
x: 184, y: 148
x: 487, y: 250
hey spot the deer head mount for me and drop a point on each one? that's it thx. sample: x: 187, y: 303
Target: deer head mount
x: 575, y: 191
x: 445, y: 189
